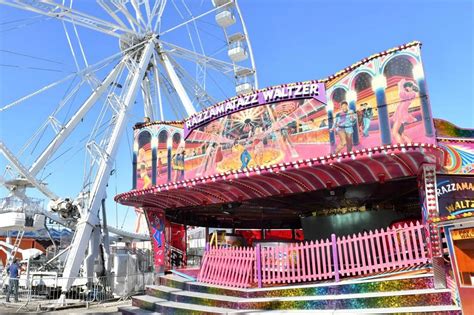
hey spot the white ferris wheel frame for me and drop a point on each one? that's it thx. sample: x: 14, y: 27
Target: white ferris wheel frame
x: 150, y: 50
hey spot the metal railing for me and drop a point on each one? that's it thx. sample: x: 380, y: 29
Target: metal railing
x: 13, y: 204
x: 43, y: 291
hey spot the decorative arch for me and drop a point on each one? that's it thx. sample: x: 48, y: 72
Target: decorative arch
x: 405, y: 60
x: 143, y: 138
x: 144, y: 130
x: 362, y: 81
x: 162, y: 136
x: 144, y: 160
x: 338, y: 95
x: 176, y: 139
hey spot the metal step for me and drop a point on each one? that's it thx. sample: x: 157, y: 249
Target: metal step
x: 185, y: 308
x: 161, y: 291
x: 146, y: 302
x: 404, y: 298
x: 174, y: 281
x: 134, y: 310
x: 422, y: 281
x: 428, y: 310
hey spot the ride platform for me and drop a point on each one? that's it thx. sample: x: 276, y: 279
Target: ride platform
x: 402, y: 292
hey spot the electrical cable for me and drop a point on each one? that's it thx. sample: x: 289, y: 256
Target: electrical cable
x: 30, y: 56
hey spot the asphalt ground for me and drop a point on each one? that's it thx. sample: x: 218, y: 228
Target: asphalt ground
x: 42, y: 308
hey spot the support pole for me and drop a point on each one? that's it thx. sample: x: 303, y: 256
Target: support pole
x: 332, y: 136
x: 86, y: 224
x: 384, y: 122
x: 351, y: 97
x: 427, y: 117
x: 169, y: 144
x: 183, y: 96
x: 429, y: 204
x: 154, y: 158
x: 74, y: 121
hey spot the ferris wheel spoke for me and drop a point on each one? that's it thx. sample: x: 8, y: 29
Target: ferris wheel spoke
x: 156, y: 81
x: 138, y: 13
x: 177, y: 84
x: 147, y: 98
x: 193, y: 86
x: 70, y: 47
x: 148, y: 14
x: 200, y: 68
x: 113, y: 14
x: 85, y: 225
x: 25, y: 173
x: 194, y: 18
x: 156, y: 13
x: 123, y: 9
x: 72, y: 123
x: 83, y: 73
x: 171, y: 96
x: 224, y: 67
x: 61, y: 12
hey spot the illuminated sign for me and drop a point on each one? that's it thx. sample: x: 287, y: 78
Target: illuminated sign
x: 455, y: 195
x: 463, y: 234
x: 315, y: 90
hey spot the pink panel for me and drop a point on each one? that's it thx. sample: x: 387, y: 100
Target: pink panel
x: 329, y: 259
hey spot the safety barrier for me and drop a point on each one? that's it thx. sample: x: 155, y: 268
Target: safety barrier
x: 230, y: 266
x: 44, y: 289
x: 355, y: 255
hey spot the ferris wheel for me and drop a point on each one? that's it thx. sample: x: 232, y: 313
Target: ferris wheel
x: 128, y: 58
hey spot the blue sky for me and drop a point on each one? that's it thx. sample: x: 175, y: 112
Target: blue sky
x: 292, y: 40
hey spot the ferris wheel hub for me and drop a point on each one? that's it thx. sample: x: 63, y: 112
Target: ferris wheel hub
x: 128, y: 40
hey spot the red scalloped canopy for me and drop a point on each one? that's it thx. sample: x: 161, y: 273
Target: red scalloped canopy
x: 274, y: 186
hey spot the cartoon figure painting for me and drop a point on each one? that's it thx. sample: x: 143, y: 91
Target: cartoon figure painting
x: 144, y: 176
x: 158, y: 226
x: 157, y: 223
x: 245, y: 157
x: 179, y: 165
x: 344, y: 127
x: 367, y: 114
x: 144, y: 171
x: 407, y: 92
x: 259, y: 151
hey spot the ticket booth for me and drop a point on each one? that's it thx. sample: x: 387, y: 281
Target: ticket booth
x: 456, y: 215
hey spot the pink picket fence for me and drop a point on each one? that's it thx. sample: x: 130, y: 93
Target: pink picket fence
x: 229, y: 266
x: 355, y: 255
x: 307, y: 261
x: 382, y: 250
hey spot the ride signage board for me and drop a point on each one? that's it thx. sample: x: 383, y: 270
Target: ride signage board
x: 455, y: 195
x: 463, y: 234
x: 271, y: 95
